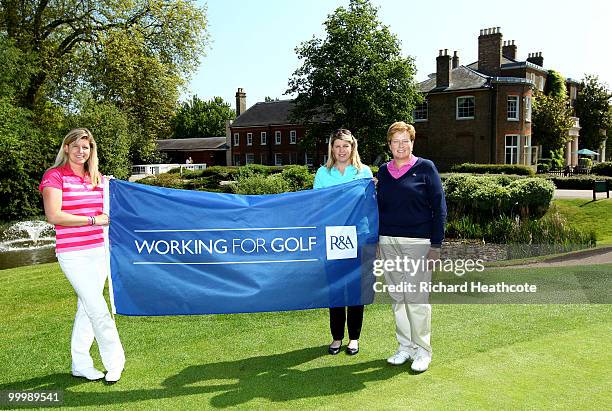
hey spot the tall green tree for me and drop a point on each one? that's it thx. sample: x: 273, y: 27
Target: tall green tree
x: 555, y: 85
x: 355, y: 77
x: 593, y: 109
x: 111, y: 129
x: 199, y: 118
x: 551, y: 122
x: 135, y: 54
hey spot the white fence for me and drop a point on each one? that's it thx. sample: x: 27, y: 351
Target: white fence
x: 143, y: 170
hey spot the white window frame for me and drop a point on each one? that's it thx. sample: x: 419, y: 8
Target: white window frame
x: 308, y: 159
x: 249, y: 139
x: 513, y: 115
x: 236, y: 139
x: 278, y: 159
x: 421, y: 112
x: 292, y: 137
x: 264, y: 138
x: 528, y: 109
x: 249, y: 158
x: 277, y: 137
x: 236, y: 159
x: 531, y: 77
x: 457, y: 108
x: 513, y: 147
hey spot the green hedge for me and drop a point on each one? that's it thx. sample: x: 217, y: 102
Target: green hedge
x: 603, y: 169
x: 487, y: 197
x: 584, y: 182
x: 261, y: 184
x: 493, y: 169
x: 296, y: 178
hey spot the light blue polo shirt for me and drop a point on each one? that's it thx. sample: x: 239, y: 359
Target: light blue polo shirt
x: 327, y: 178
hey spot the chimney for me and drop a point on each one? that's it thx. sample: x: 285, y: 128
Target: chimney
x: 455, y: 60
x: 536, y: 58
x: 509, y: 50
x: 240, y: 102
x: 489, y: 51
x: 443, y: 74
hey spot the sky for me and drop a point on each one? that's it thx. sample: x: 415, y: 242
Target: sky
x: 252, y: 42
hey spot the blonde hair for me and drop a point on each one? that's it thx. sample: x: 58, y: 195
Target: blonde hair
x: 344, y: 135
x: 91, y: 165
x: 399, y: 127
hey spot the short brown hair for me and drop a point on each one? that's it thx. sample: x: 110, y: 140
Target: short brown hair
x: 398, y: 127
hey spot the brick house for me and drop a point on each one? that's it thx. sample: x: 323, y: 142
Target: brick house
x: 264, y: 134
x: 208, y: 150
x: 481, y: 112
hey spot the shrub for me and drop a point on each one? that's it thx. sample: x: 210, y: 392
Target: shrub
x: 26, y: 151
x: 532, y: 195
x: 260, y: 184
x: 253, y: 169
x: 298, y: 177
x: 603, y: 169
x: 583, y: 182
x: 164, y: 180
x: 487, y: 197
x: 221, y: 172
x: 543, y: 168
x: 551, y: 233
x: 585, y: 162
x: 493, y: 169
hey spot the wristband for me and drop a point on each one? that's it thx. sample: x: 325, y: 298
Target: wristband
x: 93, y: 220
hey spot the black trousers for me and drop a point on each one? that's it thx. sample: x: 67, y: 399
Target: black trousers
x: 353, y: 316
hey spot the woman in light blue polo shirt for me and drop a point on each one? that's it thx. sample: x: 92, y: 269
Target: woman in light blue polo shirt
x: 343, y: 165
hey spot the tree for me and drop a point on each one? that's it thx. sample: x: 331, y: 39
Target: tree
x: 110, y: 128
x: 551, y: 122
x: 134, y: 54
x: 355, y: 78
x: 555, y: 85
x: 199, y: 118
x: 593, y: 109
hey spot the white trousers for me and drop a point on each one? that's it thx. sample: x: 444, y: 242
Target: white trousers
x: 86, y: 271
x: 412, y: 321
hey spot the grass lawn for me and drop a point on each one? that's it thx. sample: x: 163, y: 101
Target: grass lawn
x: 589, y: 214
x: 485, y: 356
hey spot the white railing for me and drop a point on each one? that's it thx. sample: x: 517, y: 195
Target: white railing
x: 155, y: 169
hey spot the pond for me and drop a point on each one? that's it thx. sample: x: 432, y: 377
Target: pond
x: 27, y: 243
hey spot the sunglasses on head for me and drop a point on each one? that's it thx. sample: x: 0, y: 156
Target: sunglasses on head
x: 342, y: 131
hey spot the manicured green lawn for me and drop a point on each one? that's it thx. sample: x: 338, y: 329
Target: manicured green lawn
x: 485, y: 356
x: 588, y: 214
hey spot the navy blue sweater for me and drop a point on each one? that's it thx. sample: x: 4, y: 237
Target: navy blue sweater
x: 414, y: 204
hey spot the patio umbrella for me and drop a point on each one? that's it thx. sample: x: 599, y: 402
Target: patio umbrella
x: 587, y: 152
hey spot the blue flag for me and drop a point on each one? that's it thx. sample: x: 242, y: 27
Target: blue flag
x: 188, y: 252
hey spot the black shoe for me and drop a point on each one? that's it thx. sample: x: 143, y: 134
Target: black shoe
x: 352, y: 351
x: 333, y: 351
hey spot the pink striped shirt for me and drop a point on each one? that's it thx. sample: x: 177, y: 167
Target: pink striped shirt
x: 79, y: 197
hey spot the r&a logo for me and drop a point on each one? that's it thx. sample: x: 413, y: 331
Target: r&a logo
x: 341, y: 242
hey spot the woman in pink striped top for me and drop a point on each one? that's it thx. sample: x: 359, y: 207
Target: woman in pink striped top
x: 73, y: 198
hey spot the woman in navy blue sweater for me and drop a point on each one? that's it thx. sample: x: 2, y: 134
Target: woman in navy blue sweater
x: 412, y: 211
